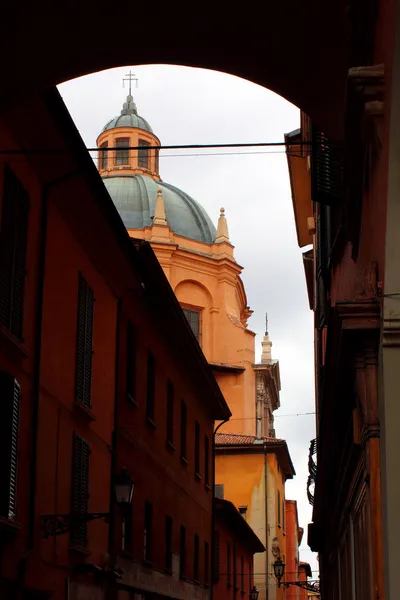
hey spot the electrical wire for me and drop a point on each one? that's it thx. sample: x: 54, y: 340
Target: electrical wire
x: 161, y: 147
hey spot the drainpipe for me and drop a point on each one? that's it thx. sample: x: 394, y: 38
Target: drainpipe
x: 37, y: 364
x: 213, y: 509
x: 111, y: 523
x: 266, y: 521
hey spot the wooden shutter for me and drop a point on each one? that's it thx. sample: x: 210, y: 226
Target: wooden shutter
x: 326, y: 169
x: 130, y: 361
x: 183, y: 429
x: 170, y: 412
x: 80, y: 490
x: 196, y: 551
x: 206, y: 460
x: 197, y: 448
x: 216, y: 557
x: 13, y: 242
x: 206, y: 564
x: 151, y: 385
x: 84, y: 343
x: 182, y: 552
x: 10, y: 398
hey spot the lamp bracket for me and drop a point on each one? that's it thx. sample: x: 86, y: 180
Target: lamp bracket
x: 53, y: 525
x: 310, y: 586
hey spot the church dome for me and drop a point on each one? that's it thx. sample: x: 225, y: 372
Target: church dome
x: 135, y: 197
x: 128, y: 118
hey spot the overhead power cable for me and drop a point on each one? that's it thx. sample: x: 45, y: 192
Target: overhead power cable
x: 161, y: 147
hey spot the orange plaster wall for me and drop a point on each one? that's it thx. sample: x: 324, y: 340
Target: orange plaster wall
x: 214, y: 287
x: 243, y: 476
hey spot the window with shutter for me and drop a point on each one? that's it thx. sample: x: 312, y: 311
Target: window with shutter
x: 193, y: 317
x: 170, y: 412
x: 151, y: 386
x: 242, y: 573
x: 13, y: 243
x: 197, y: 448
x: 216, y: 557
x: 168, y: 543
x: 10, y: 393
x: 182, y: 552
x: 130, y: 361
x: 196, y: 558
x: 80, y: 491
x: 206, y: 564
x: 84, y: 343
x: 148, y: 531
x: 206, y: 460
x: 183, y: 429
x: 228, y: 565
x: 326, y: 169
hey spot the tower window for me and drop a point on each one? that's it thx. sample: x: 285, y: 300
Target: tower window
x: 143, y: 154
x: 103, y: 156
x: 157, y: 161
x: 193, y: 316
x: 122, y: 152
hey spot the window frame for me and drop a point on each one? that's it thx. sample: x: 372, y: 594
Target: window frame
x: 103, y: 158
x: 189, y: 312
x: 122, y: 152
x: 206, y: 461
x: 143, y: 153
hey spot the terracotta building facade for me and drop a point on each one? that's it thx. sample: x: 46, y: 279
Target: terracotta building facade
x: 87, y: 375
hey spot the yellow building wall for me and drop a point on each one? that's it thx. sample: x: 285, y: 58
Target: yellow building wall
x: 250, y: 479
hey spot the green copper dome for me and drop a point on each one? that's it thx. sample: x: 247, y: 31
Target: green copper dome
x: 135, y: 199
x: 128, y: 118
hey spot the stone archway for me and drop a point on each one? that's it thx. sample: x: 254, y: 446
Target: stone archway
x: 298, y: 50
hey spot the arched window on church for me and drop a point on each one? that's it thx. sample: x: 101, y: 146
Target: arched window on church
x: 193, y: 316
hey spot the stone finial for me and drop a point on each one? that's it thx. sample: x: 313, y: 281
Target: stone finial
x: 222, y: 229
x: 159, y: 213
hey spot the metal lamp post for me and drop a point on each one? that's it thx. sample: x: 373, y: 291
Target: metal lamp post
x: 279, y: 571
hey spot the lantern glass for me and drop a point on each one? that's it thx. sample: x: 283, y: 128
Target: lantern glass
x: 123, y: 488
x: 254, y: 593
x: 279, y: 569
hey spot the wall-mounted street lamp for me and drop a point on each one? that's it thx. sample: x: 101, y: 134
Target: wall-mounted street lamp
x: 279, y: 572
x: 53, y: 525
x: 254, y: 593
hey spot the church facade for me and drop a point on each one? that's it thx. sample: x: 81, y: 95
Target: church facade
x: 251, y: 465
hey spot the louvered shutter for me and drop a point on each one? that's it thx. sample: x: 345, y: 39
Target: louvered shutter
x: 88, y: 346
x: 84, y: 343
x: 216, y: 557
x: 326, y: 169
x: 10, y: 398
x: 80, y: 490
x: 21, y: 231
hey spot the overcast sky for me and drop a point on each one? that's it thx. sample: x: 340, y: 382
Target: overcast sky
x: 196, y: 106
